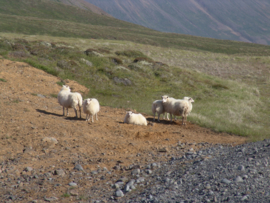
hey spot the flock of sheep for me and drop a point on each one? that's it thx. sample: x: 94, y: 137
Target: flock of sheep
x: 176, y: 107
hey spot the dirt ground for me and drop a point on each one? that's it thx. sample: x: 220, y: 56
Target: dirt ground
x: 30, y: 116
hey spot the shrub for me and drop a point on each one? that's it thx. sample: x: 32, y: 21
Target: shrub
x: 130, y: 53
x: 138, y: 59
x: 116, y: 60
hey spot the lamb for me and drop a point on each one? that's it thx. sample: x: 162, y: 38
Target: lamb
x: 91, y: 107
x: 133, y: 118
x: 177, y: 107
x: 69, y: 99
x: 157, y: 107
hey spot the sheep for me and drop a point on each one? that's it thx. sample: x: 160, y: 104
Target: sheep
x: 177, y: 107
x: 189, y: 108
x: 69, y: 99
x: 157, y: 107
x: 190, y: 104
x: 133, y: 118
x: 91, y: 107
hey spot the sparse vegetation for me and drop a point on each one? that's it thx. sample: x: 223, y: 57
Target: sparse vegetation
x: 66, y: 195
x: 2, y: 80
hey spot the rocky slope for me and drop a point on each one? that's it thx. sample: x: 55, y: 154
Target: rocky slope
x: 47, y: 157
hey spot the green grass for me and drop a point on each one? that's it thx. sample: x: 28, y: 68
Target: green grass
x: 66, y: 195
x: 2, y: 80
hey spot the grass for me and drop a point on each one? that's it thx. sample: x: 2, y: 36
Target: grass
x: 66, y: 195
x: 2, y: 80
x: 60, y: 83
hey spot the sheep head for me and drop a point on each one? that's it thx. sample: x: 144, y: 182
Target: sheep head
x: 165, y: 98
x: 65, y: 87
x: 189, y: 99
x: 88, y: 101
x: 129, y: 113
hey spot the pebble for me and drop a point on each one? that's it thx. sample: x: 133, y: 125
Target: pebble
x: 78, y: 167
x: 28, y: 169
x: 136, y: 171
x: 238, y: 179
x: 59, y: 172
x: 226, y: 181
x: 50, y: 199
x: 119, y: 193
x: 72, y: 184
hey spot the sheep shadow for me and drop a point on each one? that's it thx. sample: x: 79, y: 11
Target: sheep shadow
x: 48, y: 113
x: 166, y: 122
x: 59, y: 115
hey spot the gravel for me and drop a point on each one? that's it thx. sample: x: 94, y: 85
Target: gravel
x: 216, y: 173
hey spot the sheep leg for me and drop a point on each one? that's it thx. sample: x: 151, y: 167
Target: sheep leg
x: 96, y: 117
x: 92, y: 119
x: 67, y: 111
x: 63, y: 111
x: 80, y: 109
x: 75, y: 110
x: 154, y: 116
x: 171, y: 117
x: 158, y: 117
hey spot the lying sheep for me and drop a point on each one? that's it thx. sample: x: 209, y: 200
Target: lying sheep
x: 91, y: 107
x: 177, y: 107
x: 133, y: 118
x: 157, y: 107
x: 69, y: 99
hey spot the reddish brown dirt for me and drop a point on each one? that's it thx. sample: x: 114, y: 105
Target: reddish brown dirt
x: 26, y: 118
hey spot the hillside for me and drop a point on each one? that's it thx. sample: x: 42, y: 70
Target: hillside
x: 83, y: 5
x: 45, y: 17
x: 246, y: 21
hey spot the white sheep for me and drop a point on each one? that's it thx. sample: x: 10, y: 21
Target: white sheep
x: 190, y: 104
x: 177, y: 107
x: 157, y: 107
x: 189, y: 108
x: 91, y: 107
x: 69, y: 99
x: 133, y: 118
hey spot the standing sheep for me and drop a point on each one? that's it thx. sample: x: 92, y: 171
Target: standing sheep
x: 189, y: 108
x: 133, y: 118
x: 157, y: 107
x: 176, y: 107
x: 91, y: 107
x: 190, y: 104
x: 69, y: 99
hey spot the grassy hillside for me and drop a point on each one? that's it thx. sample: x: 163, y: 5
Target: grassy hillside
x: 108, y: 69
x: 48, y: 18
x: 228, y: 80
